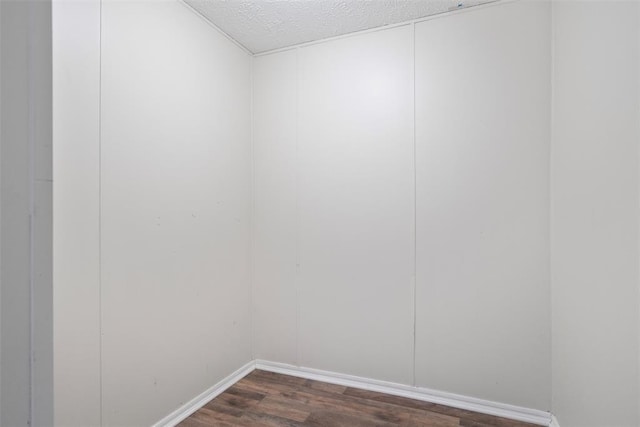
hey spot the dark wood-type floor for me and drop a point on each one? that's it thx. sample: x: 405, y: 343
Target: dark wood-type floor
x: 274, y: 400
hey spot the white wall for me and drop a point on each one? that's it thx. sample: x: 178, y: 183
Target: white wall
x: 355, y: 205
x: 595, y: 213
x: 275, y: 280
x: 76, y: 104
x: 335, y: 194
x: 175, y: 208
x: 346, y: 212
x: 482, y: 165
x: 26, y: 390
x: 172, y: 230
x: 333, y: 197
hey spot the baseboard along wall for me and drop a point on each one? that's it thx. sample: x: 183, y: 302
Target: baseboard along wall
x: 497, y: 409
x: 200, y: 400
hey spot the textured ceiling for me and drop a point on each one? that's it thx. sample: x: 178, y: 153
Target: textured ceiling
x: 263, y: 25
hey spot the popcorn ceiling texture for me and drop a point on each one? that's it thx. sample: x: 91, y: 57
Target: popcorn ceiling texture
x: 263, y: 25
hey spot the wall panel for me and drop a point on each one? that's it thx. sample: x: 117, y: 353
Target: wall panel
x: 275, y: 207
x: 356, y: 201
x: 482, y: 167
x: 595, y: 213
x: 175, y: 209
x: 76, y: 95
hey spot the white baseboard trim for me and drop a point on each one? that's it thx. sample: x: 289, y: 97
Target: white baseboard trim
x: 199, y: 401
x: 513, y: 412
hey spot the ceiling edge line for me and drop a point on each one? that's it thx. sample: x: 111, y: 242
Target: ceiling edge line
x: 215, y: 27
x: 490, y: 3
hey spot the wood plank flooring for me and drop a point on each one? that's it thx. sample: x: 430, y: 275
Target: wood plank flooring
x: 265, y: 399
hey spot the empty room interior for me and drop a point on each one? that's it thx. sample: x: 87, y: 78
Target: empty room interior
x: 320, y: 213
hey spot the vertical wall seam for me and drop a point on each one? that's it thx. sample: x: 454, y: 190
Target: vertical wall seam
x: 1, y: 241
x: 252, y: 235
x: 550, y: 190
x: 415, y: 205
x: 638, y: 190
x: 31, y: 102
x: 100, y: 330
x: 297, y: 212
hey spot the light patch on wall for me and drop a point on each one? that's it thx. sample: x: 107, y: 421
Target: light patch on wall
x: 377, y: 86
